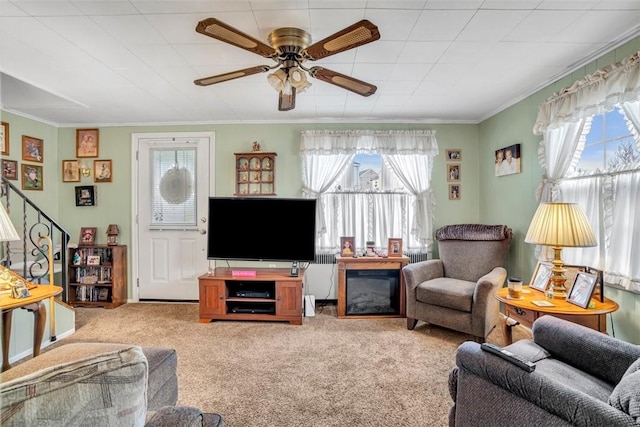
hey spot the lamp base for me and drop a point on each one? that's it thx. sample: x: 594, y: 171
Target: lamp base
x: 560, y: 294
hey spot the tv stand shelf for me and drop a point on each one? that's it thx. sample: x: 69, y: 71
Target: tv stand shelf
x: 272, y: 295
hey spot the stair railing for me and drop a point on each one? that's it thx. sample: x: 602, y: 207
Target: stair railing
x: 32, y: 259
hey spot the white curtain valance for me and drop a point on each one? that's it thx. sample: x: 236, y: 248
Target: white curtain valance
x: 594, y: 94
x: 325, y: 142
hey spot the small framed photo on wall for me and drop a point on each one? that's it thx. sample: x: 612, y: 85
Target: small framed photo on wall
x: 507, y: 160
x: 70, y: 171
x: 87, y: 236
x: 454, y: 155
x: 395, y: 247
x: 453, y: 172
x: 454, y: 192
x: 86, y: 195
x: 31, y: 177
x: 347, y: 246
x: 10, y: 169
x: 5, y: 142
x: 102, y: 170
x: 32, y: 149
x: 87, y: 142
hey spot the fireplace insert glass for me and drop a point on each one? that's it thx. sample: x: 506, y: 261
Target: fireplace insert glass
x: 372, y: 292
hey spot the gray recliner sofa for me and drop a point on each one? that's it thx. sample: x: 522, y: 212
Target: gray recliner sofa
x: 98, y: 384
x: 582, y: 378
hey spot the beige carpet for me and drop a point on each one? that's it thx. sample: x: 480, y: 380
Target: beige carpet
x: 327, y: 372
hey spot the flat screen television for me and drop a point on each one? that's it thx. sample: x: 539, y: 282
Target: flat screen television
x: 261, y: 229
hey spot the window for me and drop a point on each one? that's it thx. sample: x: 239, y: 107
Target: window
x: 606, y: 182
x: 372, y: 185
x: 609, y: 144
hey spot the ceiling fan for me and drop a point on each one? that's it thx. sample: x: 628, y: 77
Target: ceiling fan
x: 290, y: 48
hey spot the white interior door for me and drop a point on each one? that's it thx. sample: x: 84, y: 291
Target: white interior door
x: 173, y: 184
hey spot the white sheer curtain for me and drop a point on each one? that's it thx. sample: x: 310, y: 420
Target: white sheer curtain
x: 610, y: 199
x: 326, y: 155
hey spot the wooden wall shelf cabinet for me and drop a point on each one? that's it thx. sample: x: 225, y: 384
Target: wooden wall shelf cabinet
x: 255, y: 174
x: 272, y: 295
x: 371, y: 287
x: 98, y: 276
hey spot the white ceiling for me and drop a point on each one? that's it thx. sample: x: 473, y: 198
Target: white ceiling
x: 86, y: 62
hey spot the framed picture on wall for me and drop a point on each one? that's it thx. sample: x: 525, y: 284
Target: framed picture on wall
x: 31, y: 177
x: 10, y: 169
x: 5, y: 142
x: 453, y: 172
x: 102, y: 171
x: 32, y: 149
x: 70, y: 171
x: 507, y: 160
x: 454, y: 155
x: 454, y: 192
x: 87, y: 142
x: 86, y: 195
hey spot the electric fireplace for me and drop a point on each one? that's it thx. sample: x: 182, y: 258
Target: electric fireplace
x: 372, y: 292
x: 371, y: 287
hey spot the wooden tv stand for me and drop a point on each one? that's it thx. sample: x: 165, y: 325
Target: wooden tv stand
x: 272, y: 295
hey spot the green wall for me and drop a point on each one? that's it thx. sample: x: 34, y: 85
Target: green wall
x: 511, y: 199
x: 484, y: 198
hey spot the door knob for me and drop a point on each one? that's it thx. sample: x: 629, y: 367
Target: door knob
x: 203, y: 231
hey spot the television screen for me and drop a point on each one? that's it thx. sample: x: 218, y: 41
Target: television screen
x: 261, y: 229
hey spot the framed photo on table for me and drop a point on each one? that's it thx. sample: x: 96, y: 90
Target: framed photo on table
x: 87, y: 236
x: 395, y: 247
x: 541, y: 276
x: 582, y: 289
x: 347, y: 246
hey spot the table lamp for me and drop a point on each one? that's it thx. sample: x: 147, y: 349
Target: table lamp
x: 560, y: 225
x: 8, y: 233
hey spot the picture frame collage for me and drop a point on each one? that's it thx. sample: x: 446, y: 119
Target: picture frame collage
x: 454, y: 173
x: 30, y: 172
x: 583, y: 283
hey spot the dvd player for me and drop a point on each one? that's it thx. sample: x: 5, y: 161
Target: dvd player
x: 252, y: 310
x: 253, y: 294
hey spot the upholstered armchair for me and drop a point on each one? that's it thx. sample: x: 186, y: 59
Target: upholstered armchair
x: 582, y: 378
x: 456, y: 290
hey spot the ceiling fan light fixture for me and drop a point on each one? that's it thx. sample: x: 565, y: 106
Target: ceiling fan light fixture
x: 298, y: 79
x: 277, y: 79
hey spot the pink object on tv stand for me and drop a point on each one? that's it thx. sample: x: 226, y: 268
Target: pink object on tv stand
x: 243, y: 273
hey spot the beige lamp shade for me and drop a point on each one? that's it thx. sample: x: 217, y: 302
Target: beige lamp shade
x: 7, y: 230
x: 560, y: 225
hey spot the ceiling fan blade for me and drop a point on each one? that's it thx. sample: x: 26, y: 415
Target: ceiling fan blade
x: 355, y: 35
x: 342, y: 80
x: 287, y: 102
x: 219, y: 30
x: 206, y: 81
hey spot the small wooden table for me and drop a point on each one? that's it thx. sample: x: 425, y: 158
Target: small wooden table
x: 33, y: 303
x: 525, y: 312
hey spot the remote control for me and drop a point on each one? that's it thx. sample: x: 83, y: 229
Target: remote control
x: 507, y: 355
